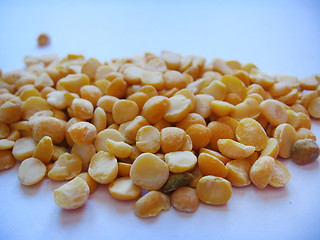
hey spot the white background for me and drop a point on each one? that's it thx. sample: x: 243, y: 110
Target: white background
x: 280, y: 37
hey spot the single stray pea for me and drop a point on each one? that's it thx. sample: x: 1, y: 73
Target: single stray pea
x: 305, y: 151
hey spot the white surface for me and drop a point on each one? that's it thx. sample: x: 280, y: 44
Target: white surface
x: 278, y: 36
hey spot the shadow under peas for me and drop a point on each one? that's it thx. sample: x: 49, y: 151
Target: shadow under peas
x: 104, y: 198
x: 70, y: 217
x: 30, y: 190
x: 272, y: 194
x: 311, y: 166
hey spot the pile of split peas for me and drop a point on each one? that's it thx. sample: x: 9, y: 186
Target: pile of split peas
x: 178, y: 127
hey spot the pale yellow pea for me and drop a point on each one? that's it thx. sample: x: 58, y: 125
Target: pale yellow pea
x: 189, y: 95
x: 203, y: 107
x: 180, y: 161
x: 11, y: 111
x: 274, y: 111
x: 134, y: 126
x: 155, y: 108
x: 215, y: 154
x: 271, y: 149
x: 233, y: 64
x: 286, y: 136
x: 124, y: 169
x: 179, y: 107
x: 172, y: 139
x: 221, y: 108
x: 233, y: 98
x: 49, y: 126
x: 258, y: 89
x: 279, y: 89
x: 230, y: 121
x: 73, y: 83
x: 195, y: 86
x: 238, y: 174
x: 151, y: 204
x: 14, y: 135
x: 101, y: 138
x: 261, y: 78
x: 124, y: 110
x: 156, y: 64
x: 290, y: 98
x: 43, y: 81
x: 31, y: 171
x: 23, y: 148
x: 103, y: 167
x: 85, y: 152
x: 99, y: 119
x: 256, y: 96
x: 290, y: 81
x: 305, y: 121
x: 214, y: 190
x: 154, y: 79
x: 233, y: 149
x: 174, y: 79
x: 250, y: 132
x: 309, y: 83
x: 234, y: 85
x: 44, y: 150
x: 82, y: 108
x: 107, y: 102
x: 6, y: 144
x: 102, y: 84
x: 304, y: 133
x: 66, y: 167
x: 29, y: 93
x: 119, y: 149
x: 124, y: 189
x: 103, y: 71
x: 122, y: 130
x: 57, y: 99
x: 210, y: 165
x: 133, y: 74
x: 187, y: 146
x: 33, y: 105
x: 249, y: 108
x: 293, y: 118
x: 59, y: 114
x: 139, y: 98
x: 90, y: 67
x: 149, y: 172
x: 82, y: 133
x: 314, y: 107
x: 57, y: 151
x: 253, y: 157
x: 6, y: 159
x: 307, y: 96
x: 261, y: 171
x: 219, y: 130
x: 280, y: 175
x: 73, y: 194
x: 89, y: 180
x: 190, y: 119
x: 221, y: 66
x: 162, y: 124
x: 171, y: 59
x: 151, y: 91
x: 117, y: 88
x: 4, y: 130
x: 148, y: 139
x: 90, y: 93
x: 185, y: 199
